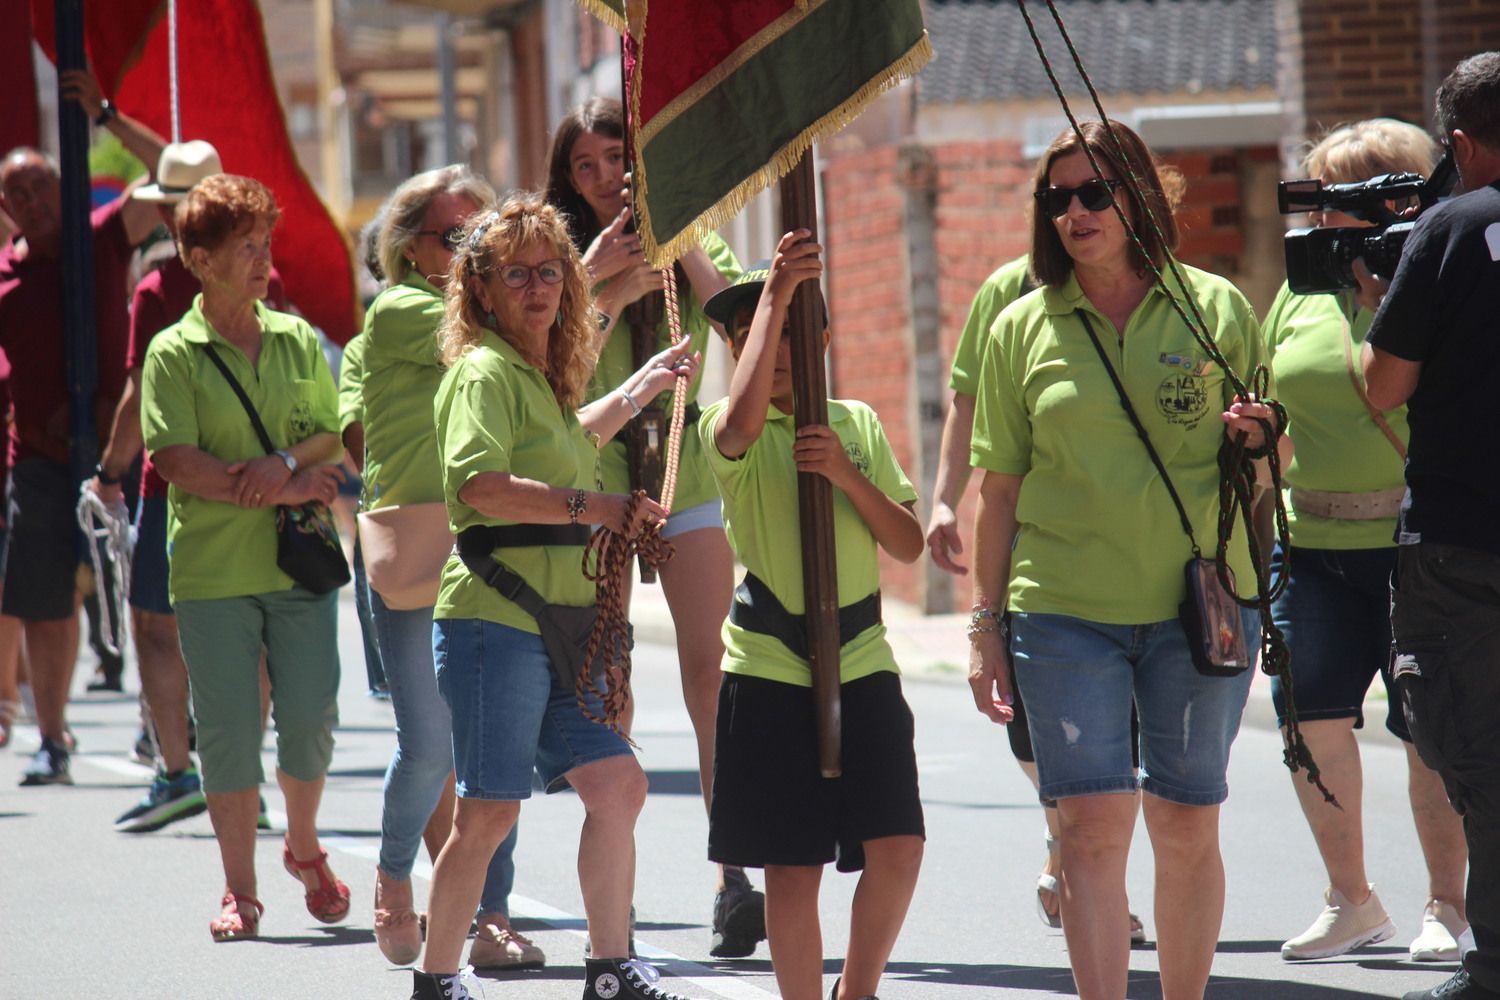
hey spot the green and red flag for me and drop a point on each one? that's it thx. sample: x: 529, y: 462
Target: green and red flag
x: 726, y: 97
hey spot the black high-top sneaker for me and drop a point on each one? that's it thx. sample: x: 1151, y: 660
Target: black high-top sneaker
x: 833, y: 994
x: 622, y: 979
x: 429, y: 986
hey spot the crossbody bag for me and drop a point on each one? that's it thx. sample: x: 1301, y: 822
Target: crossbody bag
x: 1210, y: 615
x: 307, y: 542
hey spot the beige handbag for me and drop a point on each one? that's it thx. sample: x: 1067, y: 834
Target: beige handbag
x: 405, y: 548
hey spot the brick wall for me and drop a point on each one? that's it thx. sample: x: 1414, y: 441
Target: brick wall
x: 978, y: 192
x: 1344, y: 60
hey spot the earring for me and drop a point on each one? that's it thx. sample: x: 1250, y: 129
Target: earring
x: 557, y: 321
x: 489, y: 318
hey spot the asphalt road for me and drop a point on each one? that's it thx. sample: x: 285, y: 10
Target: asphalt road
x: 86, y: 912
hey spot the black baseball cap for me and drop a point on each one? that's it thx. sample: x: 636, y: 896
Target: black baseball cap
x: 744, y: 293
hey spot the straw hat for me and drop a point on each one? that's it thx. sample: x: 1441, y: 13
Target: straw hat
x: 182, y: 165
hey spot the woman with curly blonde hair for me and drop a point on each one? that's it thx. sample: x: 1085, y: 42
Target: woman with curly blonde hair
x: 520, y: 466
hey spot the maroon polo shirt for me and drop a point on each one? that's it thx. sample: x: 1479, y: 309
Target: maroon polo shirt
x: 31, y: 335
x: 161, y: 299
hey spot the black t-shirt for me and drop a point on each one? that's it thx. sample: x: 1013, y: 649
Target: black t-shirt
x: 1443, y: 310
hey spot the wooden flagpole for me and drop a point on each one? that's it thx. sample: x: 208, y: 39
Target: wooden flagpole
x: 799, y: 210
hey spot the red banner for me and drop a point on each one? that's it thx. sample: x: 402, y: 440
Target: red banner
x: 227, y: 95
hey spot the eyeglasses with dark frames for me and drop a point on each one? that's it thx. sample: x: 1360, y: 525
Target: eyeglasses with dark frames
x: 451, y: 237
x: 1095, y: 195
x: 551, y: 272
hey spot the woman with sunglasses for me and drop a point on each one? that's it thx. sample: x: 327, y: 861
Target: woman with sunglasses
x: 1080, y: 552
x: 420, y: 227
x: 520, y: 465
x: 586, y: 180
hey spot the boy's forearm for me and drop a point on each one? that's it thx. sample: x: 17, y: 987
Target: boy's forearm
x: 894, y: 525
x: 750, y: 387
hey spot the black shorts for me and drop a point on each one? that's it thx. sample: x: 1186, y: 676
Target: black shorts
x: 41, y: 560
x: 771, y: 806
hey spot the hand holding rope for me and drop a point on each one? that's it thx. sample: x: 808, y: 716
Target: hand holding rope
x: 608, y: 557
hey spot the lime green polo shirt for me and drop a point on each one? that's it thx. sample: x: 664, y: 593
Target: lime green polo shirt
x: 694, y: 483
x: 1009, y: 282
x: 496, y: 413
x: 402, y: 375
x: 760, y: 519
x: 1099, y: 537
x: 219, y: 549
x: 351, y: 383
x: 1339, y: 448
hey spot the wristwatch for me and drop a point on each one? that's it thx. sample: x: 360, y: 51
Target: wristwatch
x: 105, y: 478
x: 288, y: 458
x: 107, y: 112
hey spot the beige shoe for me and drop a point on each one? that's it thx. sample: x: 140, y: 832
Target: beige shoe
x: 498, y: 946
x: 1341, y: 927
x: 396, y: 930
x: 1441, y: 929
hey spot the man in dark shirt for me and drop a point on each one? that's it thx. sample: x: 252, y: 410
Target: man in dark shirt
x: 42, y: 558
x: 1435, y: 346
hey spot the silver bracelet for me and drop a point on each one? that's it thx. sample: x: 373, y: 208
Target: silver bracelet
x: 635, y: 408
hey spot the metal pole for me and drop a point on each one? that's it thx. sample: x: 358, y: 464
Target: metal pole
x: 77, y: 251
x: 448, y: 81
x: 799, y: 210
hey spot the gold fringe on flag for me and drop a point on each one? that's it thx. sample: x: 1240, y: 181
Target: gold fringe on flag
x: 781, y: 163
x: 609, y: 13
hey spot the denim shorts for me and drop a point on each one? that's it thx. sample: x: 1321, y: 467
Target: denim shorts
x: 509, y: 713
x: 1336, y: 613
x: 709, y: 514
x: 148, y: 559
x: 1080, y: 679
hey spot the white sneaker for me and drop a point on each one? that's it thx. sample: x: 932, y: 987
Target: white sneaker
x: 1341, y: 927
x: 1441, y: 927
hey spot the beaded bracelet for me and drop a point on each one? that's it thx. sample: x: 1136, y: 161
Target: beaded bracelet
x: 578, y: 502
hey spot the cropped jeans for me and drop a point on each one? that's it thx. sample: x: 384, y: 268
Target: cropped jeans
x: 424, y: 752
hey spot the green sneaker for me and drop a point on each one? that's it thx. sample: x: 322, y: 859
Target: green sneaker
x: 167, y: 801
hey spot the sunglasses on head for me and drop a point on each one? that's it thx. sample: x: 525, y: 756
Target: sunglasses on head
x: 519, y: 275
x: 1095, y: 195
x: 451, y: 237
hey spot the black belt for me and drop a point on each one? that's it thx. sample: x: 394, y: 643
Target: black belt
x: 482, y: 539
x: 756, y: 609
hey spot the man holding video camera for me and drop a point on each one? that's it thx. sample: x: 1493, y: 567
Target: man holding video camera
x: 1435, y: 346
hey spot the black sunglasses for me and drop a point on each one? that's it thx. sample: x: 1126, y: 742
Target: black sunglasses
x: 451, y: 237
x: 1095, y: 195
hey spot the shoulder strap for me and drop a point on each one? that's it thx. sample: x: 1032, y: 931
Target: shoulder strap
x: 1140, y: 430
x: 1359, y: 390
x: 234, y: 383
x: 509, y: 583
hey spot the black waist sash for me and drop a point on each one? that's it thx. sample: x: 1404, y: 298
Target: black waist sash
x: 756, y: 609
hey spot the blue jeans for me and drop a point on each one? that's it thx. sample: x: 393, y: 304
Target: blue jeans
x: 424, y: 752
x: 510, y: 715
x: 1079, y: 679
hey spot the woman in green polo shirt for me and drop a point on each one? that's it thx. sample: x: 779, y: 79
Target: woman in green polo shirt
x: 1346, y: 482
x: 419, y: 229
x: 230, y: 596
x: 520, y: 477
x: 586, y: 180
x: 1078, y: 548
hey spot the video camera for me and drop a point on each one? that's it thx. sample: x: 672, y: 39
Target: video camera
x: 1321, y: 260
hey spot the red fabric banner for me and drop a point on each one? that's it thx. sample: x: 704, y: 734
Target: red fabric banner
x: 698, y: 44
x: 227, y: 96
x: 20, y: 125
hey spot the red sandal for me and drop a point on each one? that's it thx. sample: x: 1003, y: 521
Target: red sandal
x: 329, y: 902
x: 239, y: 919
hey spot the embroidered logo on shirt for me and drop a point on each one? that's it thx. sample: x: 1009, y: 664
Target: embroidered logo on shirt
x: 1183, y: 399
x: 1188, y: 364
x: 857, y: 457
x: 300, y: 422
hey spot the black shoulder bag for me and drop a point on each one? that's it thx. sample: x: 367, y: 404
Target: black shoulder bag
x: 307, y: 541
x: 1210, y: 617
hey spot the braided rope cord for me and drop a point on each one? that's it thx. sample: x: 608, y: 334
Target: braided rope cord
x: 608, y: 557
x: 1237, y: 475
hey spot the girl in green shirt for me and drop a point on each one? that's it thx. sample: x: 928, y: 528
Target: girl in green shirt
x: 586, y: 179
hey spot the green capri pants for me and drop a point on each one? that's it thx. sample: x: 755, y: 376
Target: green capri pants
x: 221, y: 643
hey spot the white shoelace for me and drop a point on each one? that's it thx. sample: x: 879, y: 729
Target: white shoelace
x: 648, y: 973
x: 463, y: 981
